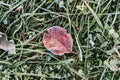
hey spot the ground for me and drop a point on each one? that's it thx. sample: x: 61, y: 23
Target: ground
x: 93, y: 24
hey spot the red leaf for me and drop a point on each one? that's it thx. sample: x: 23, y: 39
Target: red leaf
x: 119, y: 50
x: 57, y: 40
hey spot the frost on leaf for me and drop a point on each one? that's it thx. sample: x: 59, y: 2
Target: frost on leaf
x: 7, y: 45
x: 113, y: 63
x: 57, y: 40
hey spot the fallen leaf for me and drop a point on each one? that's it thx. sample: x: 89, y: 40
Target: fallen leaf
x: 57, y: 40
x: 119, y: 50
x: 7, y: 45
x: 113, y: 63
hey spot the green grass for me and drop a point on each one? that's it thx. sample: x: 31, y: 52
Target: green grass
x: 89, y: 26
